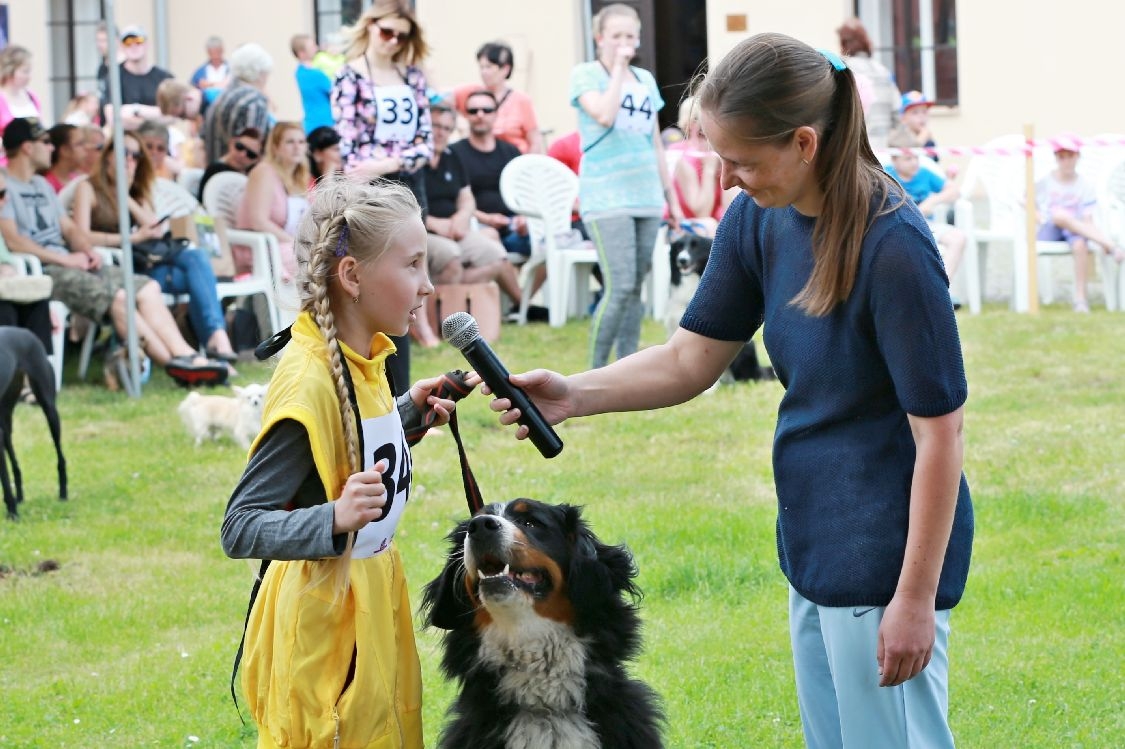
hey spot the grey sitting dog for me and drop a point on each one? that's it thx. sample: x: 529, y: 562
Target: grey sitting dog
x: 21, y: 353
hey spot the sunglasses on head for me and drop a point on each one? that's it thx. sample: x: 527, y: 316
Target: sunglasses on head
x: 388, y: 34
x: 481, y: 110
x: 250, y: 152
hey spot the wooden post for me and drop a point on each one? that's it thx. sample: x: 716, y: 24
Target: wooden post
x: 1032, y: 224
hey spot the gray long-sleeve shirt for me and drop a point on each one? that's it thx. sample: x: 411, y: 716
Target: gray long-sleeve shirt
x: 279, y: 509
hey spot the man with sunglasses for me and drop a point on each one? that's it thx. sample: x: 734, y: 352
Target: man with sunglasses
x: 484, y: 157
x: 243, y: 152
x: 32, y: 221
x: 139, y: 81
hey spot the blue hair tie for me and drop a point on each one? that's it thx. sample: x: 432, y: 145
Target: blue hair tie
x: 341, y: 250
x: 835, y: 59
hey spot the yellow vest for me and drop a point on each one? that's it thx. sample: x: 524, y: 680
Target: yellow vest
x: 299, y: 638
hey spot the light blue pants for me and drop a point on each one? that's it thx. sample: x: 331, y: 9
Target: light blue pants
x: 842, y: 704
x: 625, y: 255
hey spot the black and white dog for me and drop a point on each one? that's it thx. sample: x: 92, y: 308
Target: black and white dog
x: 21, y: 353
x: 541, y: 623
x: 688, y: 257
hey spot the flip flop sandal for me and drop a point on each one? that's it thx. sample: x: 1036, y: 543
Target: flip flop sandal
x: 231, y: 358
x: 186, y: 372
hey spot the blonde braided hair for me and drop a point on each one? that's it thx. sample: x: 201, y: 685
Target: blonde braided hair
x: 345, y: 217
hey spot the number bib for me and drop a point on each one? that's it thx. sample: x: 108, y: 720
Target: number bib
x: 636, y: 114
x: 384, y: 439
x: 396, y: 114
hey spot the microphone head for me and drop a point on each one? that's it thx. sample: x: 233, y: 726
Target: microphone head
x: 459, y: 330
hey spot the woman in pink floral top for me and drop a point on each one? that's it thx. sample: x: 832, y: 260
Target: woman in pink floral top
x: 379, y: 98
x: 383, y: 118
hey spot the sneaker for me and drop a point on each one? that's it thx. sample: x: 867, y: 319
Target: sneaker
x: 535, y: 313
x: 1081, y: 306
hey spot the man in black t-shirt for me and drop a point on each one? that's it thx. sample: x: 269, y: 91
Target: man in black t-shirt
x: 484, y: 157
x: 456, y: 252
x: 139, y: 80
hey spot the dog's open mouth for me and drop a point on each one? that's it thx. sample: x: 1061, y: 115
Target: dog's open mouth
x: 496, y: 575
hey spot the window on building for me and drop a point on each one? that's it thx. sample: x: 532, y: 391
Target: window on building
x: 332, y: 15
x: 74, y: 58
x: 917, y: 40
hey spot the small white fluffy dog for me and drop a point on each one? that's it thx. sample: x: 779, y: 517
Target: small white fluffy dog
x: 208, y: 416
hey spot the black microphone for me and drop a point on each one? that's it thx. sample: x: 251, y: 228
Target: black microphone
x: 461, y: 331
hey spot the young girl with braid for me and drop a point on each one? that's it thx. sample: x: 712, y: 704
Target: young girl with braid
x: 329, y: 656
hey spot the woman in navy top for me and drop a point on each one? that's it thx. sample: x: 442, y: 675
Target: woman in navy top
x: 875, y: 523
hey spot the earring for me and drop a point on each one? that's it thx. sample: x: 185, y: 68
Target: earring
x: 805, y: 162
x: 355, y: 299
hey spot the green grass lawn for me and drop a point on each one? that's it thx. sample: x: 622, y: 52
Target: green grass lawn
x: 129, y: 643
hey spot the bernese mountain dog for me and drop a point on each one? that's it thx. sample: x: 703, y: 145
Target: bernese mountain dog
x: 542, y: 620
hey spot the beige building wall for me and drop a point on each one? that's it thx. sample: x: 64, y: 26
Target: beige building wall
x: 546, y: 38
x: 27, y: 26
x: 813, y: 21
x: 1020, y: 62
x: 270, y: 23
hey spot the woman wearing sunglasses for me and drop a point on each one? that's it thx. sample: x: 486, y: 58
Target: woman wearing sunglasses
x: 243, y: 151
x: 188, y: 271
x: 382, y: 113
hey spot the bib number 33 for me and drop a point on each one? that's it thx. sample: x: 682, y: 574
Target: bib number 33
x: 396, y: 118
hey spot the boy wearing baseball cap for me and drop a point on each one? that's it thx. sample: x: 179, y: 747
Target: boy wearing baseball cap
x: 139, y: 80
x: 1065, y: 204
x: 915, y: 115
x: 928, y: 190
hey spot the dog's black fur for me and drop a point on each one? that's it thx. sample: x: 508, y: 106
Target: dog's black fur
x: 21, y: 353
x: 688, y: 257
x: 520, y: 575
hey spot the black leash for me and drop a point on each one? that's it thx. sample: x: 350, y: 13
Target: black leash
x: 452, y: 386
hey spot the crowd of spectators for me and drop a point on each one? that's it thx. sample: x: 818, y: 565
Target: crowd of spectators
x: 368, y: 110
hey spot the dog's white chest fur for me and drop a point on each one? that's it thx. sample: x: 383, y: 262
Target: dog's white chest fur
x: 543, y: 671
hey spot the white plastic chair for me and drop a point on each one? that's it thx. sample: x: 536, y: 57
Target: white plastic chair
x: 29, y: 265
x: 223, y: 194
x: 1000, y: 176
x: 171, y: 199
x: 1111, y: 210
x: 221, y: 198
x: 543, y: 190
x: 189, y: 179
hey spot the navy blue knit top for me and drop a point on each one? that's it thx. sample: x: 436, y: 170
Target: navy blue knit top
x: 843, y: 455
